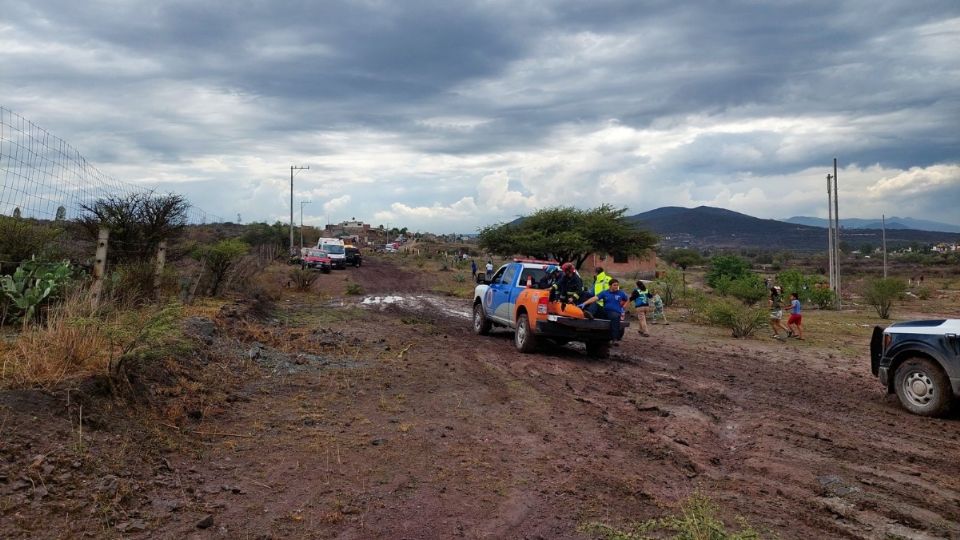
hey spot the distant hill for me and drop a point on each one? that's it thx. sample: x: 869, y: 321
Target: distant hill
x: 892, y: 223
x: 706, y: 226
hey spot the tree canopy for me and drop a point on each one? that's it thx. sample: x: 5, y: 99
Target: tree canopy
x: 567, y: 234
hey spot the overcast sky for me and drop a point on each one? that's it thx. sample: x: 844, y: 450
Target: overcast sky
x: 445, y: 116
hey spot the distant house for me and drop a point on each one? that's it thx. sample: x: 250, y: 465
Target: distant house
x: 622, y: 268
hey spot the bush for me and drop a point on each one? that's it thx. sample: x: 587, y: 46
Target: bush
x: 22, y: 239
x: 924, y: 293
x: 670, y: 286
x: 823, y: 297
x: 726, y: 266
x: 459, y: 278
x: 220, y: 259
x: 131, y: 282
x: 354, y: 289
x: 740, y: 319
x: 880, y: 293
x: 749, y: 289
x: 303, y: 278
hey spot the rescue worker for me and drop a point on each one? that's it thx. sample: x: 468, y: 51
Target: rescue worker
x: 601, y: 282
x: 569, y: 287
x: 549, y: 278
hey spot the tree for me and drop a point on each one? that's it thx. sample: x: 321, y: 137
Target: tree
x: 880, y: 293
x: 683, y: 258
x: 568, y: 235
x: 137, y: 223
x: 866, y: 249
x: 726, y: 266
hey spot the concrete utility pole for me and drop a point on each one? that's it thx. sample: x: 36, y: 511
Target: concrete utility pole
x: 883, y: 222
x: 293, y: 168
x: 833, y: 281
x: 301, y: 223
x: 836, y: 230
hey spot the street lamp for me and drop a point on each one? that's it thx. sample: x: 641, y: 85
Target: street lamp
x: 301, y: 223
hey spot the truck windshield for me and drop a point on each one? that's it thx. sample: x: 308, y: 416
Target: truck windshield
x: 333, y: 249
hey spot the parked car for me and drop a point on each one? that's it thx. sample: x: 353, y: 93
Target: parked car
x: 353, y: 255
x: 318, y: 259
x: 920, y: 362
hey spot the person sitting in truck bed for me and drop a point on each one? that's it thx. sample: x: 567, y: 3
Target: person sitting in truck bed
x: 551, y: 276
x: 569, y: 287
x: 614, y: 301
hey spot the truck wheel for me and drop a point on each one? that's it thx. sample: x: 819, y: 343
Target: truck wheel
x: 524, y: 338
x: 481, y: 326
x: 922, y: 387
x: 598, y: 349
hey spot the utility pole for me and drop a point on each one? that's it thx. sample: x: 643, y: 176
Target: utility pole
x: 836, y: 229
x: 883, y: 221
x: 293, y: 168
x: 301, y: 223
x: 833, y: 281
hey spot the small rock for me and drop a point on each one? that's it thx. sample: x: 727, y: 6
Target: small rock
x: 48, y: 469
x: 378, y: 442
x: 206, y: 522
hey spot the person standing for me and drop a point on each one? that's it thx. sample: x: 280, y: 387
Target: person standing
x: 473, y: 268
x: 795, y: 322
x: 601, y: 281
x: 776, y: 312
x: 489, y: 269
x: 657, y: 308
x: 641, y: 304
x: 614, y: 301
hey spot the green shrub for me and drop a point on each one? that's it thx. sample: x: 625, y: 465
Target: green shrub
x: 670, y: 286
x: 823, y: 297
x: 740, y: 319
x: 726, y: 266
x: 354, y: 289
x: 924, y: 293
x: 22, y: 239
x: 880, y: 293
x: 749, y: 289
x: 460, y: 278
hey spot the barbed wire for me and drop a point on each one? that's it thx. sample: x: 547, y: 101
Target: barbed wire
x: 44, y: 177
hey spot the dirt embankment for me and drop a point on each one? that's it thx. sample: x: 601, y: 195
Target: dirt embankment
x: 392, y: 420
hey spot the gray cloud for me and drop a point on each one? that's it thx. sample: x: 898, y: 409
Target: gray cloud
x: 425, y: 99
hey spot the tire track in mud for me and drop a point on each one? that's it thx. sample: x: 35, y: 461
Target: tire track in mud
x: 802, y: 447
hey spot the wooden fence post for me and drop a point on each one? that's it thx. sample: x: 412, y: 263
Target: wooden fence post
x: 158, y: 273
x: 99, y: 266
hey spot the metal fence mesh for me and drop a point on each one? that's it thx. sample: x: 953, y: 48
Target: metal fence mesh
x: 44, y: 177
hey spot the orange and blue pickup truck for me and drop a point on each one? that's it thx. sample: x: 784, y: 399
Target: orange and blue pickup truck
x: 511, y: 299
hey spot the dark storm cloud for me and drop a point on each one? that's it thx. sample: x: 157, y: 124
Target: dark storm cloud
x: 172, y: 82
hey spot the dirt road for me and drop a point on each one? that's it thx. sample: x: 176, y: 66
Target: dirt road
x: 383, y: 416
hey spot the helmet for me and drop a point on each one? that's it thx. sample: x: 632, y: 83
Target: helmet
x: 567, y: 268
x: 551, y: 269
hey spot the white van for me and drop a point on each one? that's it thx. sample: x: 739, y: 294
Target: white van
x: 335, y: 250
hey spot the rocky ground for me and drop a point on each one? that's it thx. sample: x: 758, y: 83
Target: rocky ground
x: 384, y: 416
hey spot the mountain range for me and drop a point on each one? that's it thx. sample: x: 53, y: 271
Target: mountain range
x: 706, y: 226
x: 892, y: 223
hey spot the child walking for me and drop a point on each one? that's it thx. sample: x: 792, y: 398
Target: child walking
x: 658, y: 313
x: 795, y: 322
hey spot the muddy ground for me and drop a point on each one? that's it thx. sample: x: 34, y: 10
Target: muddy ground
x: 384, y: 416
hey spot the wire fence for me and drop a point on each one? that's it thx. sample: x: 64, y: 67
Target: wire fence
x: 44, y: 177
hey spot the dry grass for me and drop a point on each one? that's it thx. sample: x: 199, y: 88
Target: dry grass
x: 70, y: 343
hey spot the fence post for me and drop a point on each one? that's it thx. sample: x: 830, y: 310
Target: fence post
x: 99, y: 266
x: 158, y: 273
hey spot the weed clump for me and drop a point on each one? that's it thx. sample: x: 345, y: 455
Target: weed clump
x: 695, y: 519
